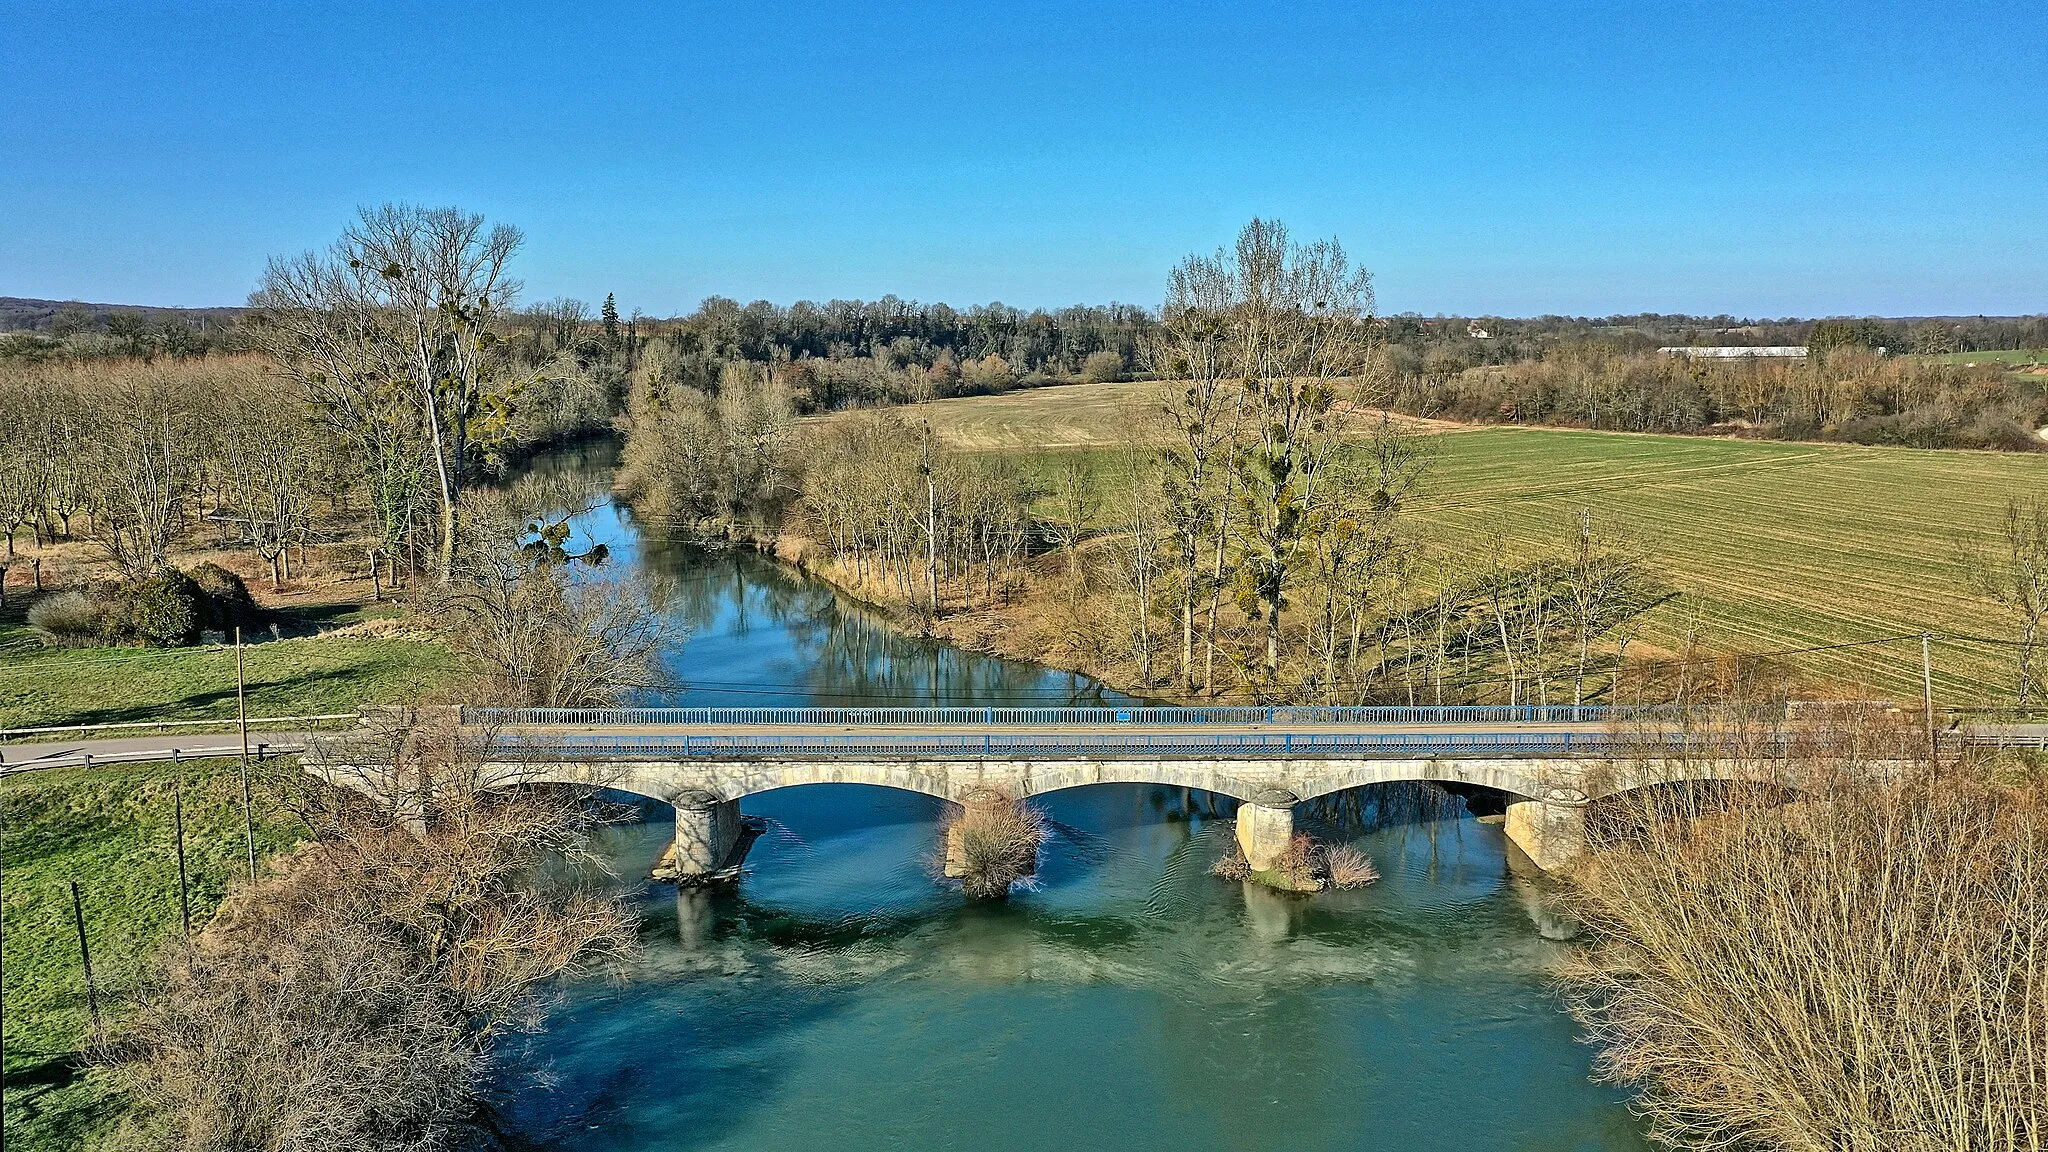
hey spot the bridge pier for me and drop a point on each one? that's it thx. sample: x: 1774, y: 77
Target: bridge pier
x: 1551, y: 833
x: 1265, y: 827
x: 710, y: 841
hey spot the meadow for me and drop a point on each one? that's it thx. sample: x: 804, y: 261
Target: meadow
x: 1773, y: 545
x: 2018, y: 357
x: 42, y: 687
x: 111, y: 830
x: 1053, y: 416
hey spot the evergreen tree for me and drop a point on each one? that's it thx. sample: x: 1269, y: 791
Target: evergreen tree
x: 611, y: 323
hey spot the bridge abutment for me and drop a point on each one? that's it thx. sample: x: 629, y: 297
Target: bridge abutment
x: 1265, y: 827
x: 1551, y: 834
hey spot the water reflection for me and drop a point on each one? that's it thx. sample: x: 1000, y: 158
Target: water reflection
x: 840, y: 998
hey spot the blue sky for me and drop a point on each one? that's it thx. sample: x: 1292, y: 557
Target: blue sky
x: 1506, y: 158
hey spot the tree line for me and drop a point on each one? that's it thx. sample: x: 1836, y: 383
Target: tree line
x: 1847, y: 392
x: 1869, y: 381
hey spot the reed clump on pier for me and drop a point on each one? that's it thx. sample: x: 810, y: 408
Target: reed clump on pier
x: 991, y: 846
x: 1308, y: 865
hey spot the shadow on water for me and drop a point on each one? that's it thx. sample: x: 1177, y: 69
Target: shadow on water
x: 840, y: 997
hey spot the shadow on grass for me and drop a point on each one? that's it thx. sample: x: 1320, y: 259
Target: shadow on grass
x: 53, y: 1103
x: 319, y: 691
x: 311, y: 619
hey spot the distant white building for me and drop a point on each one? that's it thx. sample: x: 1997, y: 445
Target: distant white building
x: 1765, y: 352
x: 1477, y: 331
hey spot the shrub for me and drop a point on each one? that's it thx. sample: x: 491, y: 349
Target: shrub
x: 1347, y: 867
x: 1102, y: 367
x: 1861, y: 969
x: 1299, y: 864
x: 991, y: 373
x: 1232, y: 866
x: 224, y: 600
x: 332, y: 1005
x: 992, y: 845
x: 157, y: 611
x: 68, y: 619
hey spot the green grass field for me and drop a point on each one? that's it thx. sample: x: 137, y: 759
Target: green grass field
x: 41, y: 687
x: 1772, y: 545
x: 2015, y: 356
x: 111, y: 830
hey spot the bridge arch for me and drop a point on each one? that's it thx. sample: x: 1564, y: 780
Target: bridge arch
x: 1547, y: 796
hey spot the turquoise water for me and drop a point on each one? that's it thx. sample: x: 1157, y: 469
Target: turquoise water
x: 839, y: 997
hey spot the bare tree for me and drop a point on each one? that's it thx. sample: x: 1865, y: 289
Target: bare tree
x: 2013, y: 570
x: 404, y: 305
x: 267, y: 461
x: 541, y: 630
x: 1202, y: 415
x: 139, y: 465
x: 1299, y: 323
x: 1136, y: 545
x: 1073, y: 505
x: 1608, y: 583
x: 562, y: 319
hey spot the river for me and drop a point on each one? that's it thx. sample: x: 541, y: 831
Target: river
x: 839, y: 998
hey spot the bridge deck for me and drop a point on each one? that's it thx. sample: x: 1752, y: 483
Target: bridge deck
x: 1208, y: 741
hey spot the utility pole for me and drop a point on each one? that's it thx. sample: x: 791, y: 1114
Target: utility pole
x: 242, y: 715
x: 1927, y: 693
x: 178, y: 819
x: 92, y: 995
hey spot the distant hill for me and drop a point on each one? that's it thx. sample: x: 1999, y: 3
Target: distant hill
x: 22, y: 314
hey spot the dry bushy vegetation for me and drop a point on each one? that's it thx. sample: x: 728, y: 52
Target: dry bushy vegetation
x: 991, y: 845
x: 1308, y: 865
x: 1849, y: 393
x: 354, y: 998
x: 1232, y: 865
x: 1864, y: 968
x: 1347, y: 867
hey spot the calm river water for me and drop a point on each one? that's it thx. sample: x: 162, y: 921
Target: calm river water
x: 839, y: 998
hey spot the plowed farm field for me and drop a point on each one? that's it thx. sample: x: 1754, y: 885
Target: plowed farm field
x: 1773, y: 546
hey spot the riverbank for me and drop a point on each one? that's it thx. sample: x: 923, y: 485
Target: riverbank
x: 1031, y: 627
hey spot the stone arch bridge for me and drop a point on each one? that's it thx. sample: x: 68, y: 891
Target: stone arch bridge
x: 1549, y: 762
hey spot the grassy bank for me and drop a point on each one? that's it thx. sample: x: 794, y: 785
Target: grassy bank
x: 42, y: 687
x: 110, y: 830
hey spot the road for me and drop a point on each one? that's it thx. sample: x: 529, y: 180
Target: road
x: 130, y: 749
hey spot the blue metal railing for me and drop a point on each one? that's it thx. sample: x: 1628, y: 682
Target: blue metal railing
x: 1261, y: 715
x: 1043, y: 745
